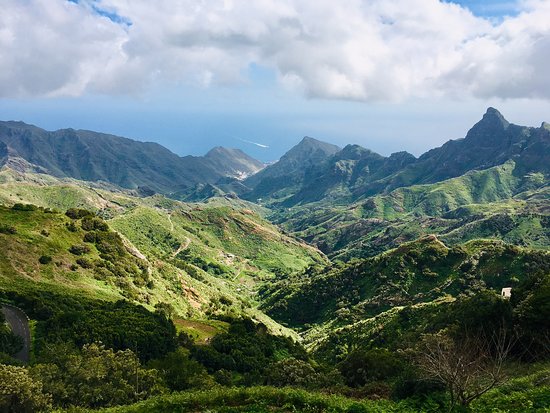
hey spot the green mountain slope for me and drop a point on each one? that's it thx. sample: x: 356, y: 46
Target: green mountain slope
x: 491, y: 203
x: 288, y: 174
x: 422, y: 271
x: 93, y: 156
x: 354, y: 172
x: 200, y: 258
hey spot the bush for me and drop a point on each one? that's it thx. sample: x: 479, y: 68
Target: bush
x: 7, y: 229
x: 94, y: 224
x: 89, y: 237
x: 78, y: 213
x: 72, y: 227
x: 180, y: 372
x: 97, y: 377
x: 24, y: 207
x: 291, y: 372
x: 361, y: 367
x: 79, y: 249
x: 45, y: 259
x: 84, y: 263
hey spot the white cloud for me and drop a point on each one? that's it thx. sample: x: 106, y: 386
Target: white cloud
x: 378, y: 50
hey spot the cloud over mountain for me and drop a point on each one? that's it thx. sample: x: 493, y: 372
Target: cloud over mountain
x: 357, y: 50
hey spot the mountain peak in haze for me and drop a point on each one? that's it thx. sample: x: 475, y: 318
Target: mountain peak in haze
x: 291, y: 168
x: 310, y: 150
x: 234, y: 161
x: 491, y: 122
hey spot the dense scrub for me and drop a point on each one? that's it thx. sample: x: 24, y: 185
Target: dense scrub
x: 416, y: 272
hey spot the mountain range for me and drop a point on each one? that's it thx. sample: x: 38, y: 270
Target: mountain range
x: 92, y: 156
x: 309, y: 172
x: 355, y: 172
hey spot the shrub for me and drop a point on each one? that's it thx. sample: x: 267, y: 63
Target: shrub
x: 7, y: 229
x: 291, y: 372
x: 84, y: 263
x: 91, y: 224
x: 72, y: 227
x: 79, y: 249
x: 180, y: 372
x: 89, y: 237
x: 361, y: 367
x: 24, y: 207
x: 45, y: 259
x: 19, y: 392
x: 97, y: 377
x: 77, y: 213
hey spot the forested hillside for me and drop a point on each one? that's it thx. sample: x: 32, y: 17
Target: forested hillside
x: 334, y: 280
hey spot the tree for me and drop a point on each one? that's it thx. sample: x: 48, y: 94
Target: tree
x: 9, y: 342
x: 468, y: 365
x: 19, y: 392
x: 181, y: 372
x: 291, y: 372
x: 361, y: 367
x: 97, y: 377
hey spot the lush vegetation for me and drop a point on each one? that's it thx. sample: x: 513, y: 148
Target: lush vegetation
x: 141, y: 303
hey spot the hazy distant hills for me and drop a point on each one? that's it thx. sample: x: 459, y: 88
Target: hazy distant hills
x: 289, y: 173
x: 92, y: 156
x: 233, y: 162
x: 312, y: 171
x: 355, y: 172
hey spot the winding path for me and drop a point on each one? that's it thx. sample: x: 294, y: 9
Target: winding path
x: 19, y: 324
x: 182, y: 247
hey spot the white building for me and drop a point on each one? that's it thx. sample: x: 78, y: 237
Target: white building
x: 506, y: 292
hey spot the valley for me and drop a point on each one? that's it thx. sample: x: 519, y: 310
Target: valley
x: 324, y: 276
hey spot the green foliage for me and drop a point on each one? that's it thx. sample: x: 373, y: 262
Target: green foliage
x: 96, y: 377
x: 180, y: 372
x: 21, y: 393
x: 79, y: 249
x: 361, y: 367
x: 531, y: 307
x: 416, y: 272
x: 119, y: 325
x: 90, y: 223
x: 79, y: 320
x: 259, y: 399
x: 7, y: 229
x: 45, y: 259
x: 293, y: 372
x: 247, y: 349
x: 78, y: 213
x: 10, y: 344
x: 24, y: 207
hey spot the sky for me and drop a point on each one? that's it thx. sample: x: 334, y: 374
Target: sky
x: 259, y: 75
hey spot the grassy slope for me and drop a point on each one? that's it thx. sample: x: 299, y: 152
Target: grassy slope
x: 202, y: 257
x: 20, y: 252
x: 491, y: 203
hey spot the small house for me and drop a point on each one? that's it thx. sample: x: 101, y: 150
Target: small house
x: 506, y: 292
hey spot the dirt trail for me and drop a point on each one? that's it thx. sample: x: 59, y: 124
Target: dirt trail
x: 182, y: 247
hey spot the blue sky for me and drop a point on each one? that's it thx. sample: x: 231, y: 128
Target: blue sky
x: 206, y: 79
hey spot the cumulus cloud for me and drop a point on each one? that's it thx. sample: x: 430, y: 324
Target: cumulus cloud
x: 376, y: 50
